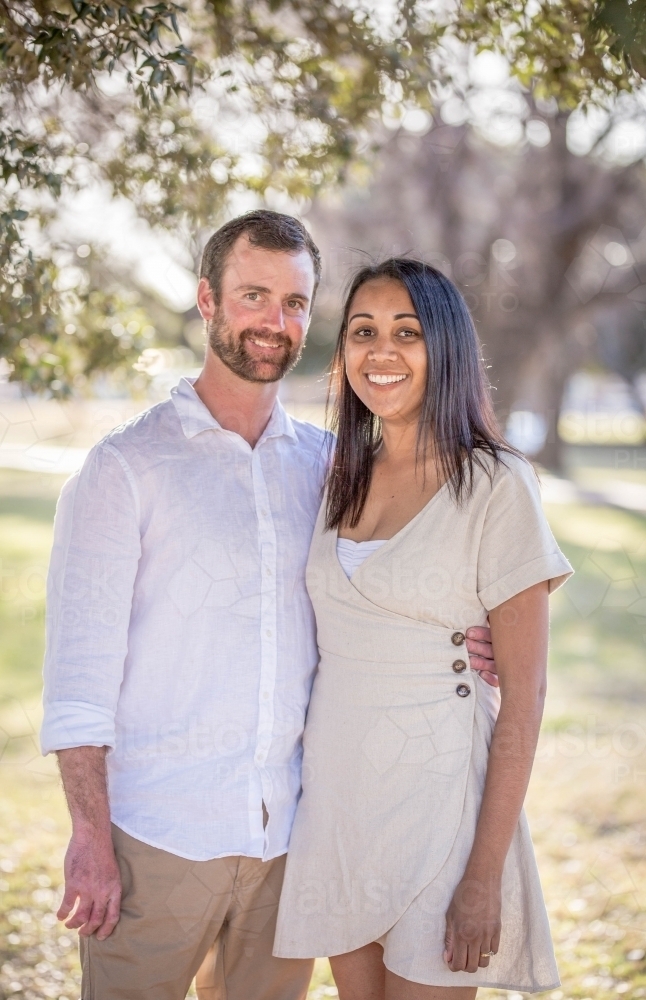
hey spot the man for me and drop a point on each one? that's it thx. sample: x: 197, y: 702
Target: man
x: 181, y: 649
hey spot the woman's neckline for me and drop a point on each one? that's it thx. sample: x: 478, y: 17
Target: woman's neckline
x: 404, y: 527
x: 367, y: 541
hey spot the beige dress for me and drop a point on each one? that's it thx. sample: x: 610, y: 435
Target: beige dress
x: 397, y: 738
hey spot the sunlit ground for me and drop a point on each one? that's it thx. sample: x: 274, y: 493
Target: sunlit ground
x: 586, y: 805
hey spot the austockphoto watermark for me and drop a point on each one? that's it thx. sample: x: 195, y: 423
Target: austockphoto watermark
x: 230, y: 745
x: 450, y: 588
x: 594, y: 739
x: 378, y: 895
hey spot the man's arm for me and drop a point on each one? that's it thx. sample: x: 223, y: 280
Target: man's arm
x: 92, y: 877
x: 481, y: 653
x: 90, y: 586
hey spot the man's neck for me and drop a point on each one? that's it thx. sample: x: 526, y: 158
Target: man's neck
x: 237, y: 405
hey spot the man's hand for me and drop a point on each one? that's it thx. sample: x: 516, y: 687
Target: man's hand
x: 93, y: 881
x: 92, y: 877
x: 481, y: 653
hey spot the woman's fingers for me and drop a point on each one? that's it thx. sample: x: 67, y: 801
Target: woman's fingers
x: 460, y: 955
x: 448, y: 943
x: 486, y: 947
x: 474, y: 950
x: 464, y: 953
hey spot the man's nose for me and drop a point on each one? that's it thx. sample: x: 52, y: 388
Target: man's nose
x: 273, y: 318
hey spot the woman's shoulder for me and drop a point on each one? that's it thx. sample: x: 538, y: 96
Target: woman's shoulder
x: 508, y: 471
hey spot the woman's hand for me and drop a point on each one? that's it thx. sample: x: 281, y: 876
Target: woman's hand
x: 473, y: 923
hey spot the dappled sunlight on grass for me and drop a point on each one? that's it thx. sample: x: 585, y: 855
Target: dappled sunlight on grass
x: 585, y: 805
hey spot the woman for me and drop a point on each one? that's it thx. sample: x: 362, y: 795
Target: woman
x: 410, y: 862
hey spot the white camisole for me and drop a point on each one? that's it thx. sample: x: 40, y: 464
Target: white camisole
x: 351, y: 554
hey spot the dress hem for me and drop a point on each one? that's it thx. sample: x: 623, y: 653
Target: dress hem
x: 450, y: 980
x: 480, y: 985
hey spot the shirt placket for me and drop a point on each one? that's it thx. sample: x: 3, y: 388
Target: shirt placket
x: 268, y: 629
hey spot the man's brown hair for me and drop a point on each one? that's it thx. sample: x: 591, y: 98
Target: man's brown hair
x: 265, y: 229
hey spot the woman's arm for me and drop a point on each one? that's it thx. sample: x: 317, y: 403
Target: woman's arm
x: 519, y: 632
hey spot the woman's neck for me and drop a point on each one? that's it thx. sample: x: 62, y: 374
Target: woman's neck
x: 399, y: 441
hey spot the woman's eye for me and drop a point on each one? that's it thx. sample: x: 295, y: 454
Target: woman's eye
x: 363, y: 331
x: 409, y: 333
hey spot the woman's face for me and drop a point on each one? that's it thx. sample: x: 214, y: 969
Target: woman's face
x: 385, y: 353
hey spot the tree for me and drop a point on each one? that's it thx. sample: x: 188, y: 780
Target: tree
x: 117, y: 93
x: 548, y: 248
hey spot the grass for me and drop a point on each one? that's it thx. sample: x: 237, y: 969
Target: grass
x: 586, y: 801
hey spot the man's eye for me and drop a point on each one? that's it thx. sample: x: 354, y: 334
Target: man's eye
x: 253, y: 296
x: 295, y: 304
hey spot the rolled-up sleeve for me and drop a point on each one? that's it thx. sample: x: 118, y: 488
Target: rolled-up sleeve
x: 517, y: 547
x: 92, y: 572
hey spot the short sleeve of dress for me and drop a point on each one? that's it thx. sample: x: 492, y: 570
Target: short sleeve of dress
x: 517, y: 547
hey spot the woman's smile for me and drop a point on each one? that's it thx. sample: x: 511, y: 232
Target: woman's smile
x: 377, y: 378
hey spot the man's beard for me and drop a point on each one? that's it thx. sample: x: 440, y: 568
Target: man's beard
x: 232, y: 351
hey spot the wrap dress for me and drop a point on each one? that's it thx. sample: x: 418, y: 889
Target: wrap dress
x: 397, y: 735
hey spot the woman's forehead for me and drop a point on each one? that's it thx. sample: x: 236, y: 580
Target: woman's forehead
x: 383, y: 293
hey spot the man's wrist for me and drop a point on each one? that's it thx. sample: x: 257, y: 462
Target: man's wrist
x: 84, y: 831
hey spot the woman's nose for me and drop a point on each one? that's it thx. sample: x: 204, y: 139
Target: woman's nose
x: 382, y: 351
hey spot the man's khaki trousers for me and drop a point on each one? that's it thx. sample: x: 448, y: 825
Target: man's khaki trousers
x: 213, y: 920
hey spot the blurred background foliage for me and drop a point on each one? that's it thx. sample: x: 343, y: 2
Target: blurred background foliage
x: 185, y: 109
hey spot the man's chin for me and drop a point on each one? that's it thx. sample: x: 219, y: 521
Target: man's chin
x: 265, y: 371
x: 268, y: 369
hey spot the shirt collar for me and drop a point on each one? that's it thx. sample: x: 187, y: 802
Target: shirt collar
x: 195, y: 417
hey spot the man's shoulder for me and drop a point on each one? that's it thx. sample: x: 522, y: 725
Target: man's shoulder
x: 315, y: 441
x: 148, y: 427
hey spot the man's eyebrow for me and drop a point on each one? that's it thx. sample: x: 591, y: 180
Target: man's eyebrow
x: 365, y: 316
x: 262, y: 288
x: 253, y: 288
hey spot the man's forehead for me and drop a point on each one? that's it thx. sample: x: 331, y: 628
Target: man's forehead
x: 252, y: 264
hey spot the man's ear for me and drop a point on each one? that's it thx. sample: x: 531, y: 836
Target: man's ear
x: 206, y: 300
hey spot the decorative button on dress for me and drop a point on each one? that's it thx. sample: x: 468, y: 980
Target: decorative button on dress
x: 397, y: 737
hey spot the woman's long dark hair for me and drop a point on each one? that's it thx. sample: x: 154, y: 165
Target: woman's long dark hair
x: 457, y: 416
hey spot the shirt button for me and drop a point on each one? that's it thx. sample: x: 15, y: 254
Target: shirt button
x: 265, y: 694
x: 463, y: 690
x: 457, y: 638
x: 459, y: 666
x: 268, y: 633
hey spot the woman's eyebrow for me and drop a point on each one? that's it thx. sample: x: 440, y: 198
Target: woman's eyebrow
x: 405, y: 316
x: 364, y: 315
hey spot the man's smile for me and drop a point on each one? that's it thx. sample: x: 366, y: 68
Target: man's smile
x: 265, y: 343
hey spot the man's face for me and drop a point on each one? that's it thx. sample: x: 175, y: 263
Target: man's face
x: 258, y: 327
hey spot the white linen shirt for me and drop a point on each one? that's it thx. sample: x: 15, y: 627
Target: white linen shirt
x: 179, y: 630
